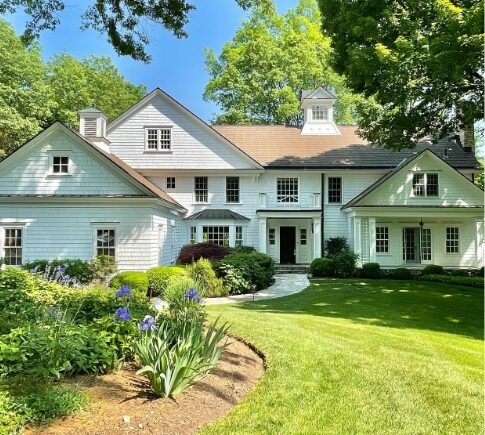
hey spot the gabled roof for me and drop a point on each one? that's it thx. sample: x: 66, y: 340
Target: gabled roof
x: 90, y: 110
x: 281, y: 147
x: 160, y: 93
x: 354, y: 202
x: 112, y: 160
x: 217, y: 214
x: 320, y: 93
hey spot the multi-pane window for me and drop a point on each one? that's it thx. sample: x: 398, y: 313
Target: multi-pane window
x: 319, y: 113
x: 303, y: 236
x: 382, y: 239
x: 425, y: 184
x: 287, y: 190
x: 60, y: 165
x: 170, y: 182
x: 105, y: 242
x: 272, y: 236
x: 232, y: 189
x: 12, y: 246
x: 425, y: 244
x: 193, y: 234
x: 239, y: 236
x: 452, y: 240
x: 158, y: 139
x: 335, y: 189
x: 201, y: 190
x: 219, y: 235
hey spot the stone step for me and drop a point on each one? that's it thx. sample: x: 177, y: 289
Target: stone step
x: 291, y: 268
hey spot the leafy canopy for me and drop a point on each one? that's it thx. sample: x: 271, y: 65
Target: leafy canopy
x: 126, y: 23
x: 33, y: 94
x: 420, y: 60
x: 259, y: 75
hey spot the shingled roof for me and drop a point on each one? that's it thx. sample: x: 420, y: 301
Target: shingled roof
x: 279, y: 146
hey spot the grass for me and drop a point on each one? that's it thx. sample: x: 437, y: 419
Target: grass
x: 353, y: 356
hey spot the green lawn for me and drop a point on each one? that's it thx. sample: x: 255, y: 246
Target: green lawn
x: 353, y: 356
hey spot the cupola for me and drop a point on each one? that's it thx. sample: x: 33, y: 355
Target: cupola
x: 92, y: 125
x: 317, y: 106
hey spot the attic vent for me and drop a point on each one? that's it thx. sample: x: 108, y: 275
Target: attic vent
x: 90, y: 126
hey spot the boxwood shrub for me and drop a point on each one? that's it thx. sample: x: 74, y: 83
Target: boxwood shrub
x: 322, y: 267
x: 137, y: 280
x: 371, y: 270
x: 470, y: 281
x: 190, y: 253
x: 433, y: 269
x: 158, y: 277
x: 401, y: 273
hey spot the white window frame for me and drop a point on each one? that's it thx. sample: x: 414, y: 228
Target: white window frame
x: 171, y: 179
x: 384, y: 239
x: 319, y: 109
x: 238, y: 190
x: 452, y: 240
x: 218, y: 232
x: 160, y: 148
x: 272, y: 236
x: 297, y: 191
x: 52, y: 165
x: 195, y: 195
x: 193, y: 235
x: 22, y: 241
x: 108, y: 227
x: 327, y: 193
x: 425, y: 184
x: 238, y: 241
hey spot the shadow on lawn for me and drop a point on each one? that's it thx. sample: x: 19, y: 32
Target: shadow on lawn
x: 397, y: 304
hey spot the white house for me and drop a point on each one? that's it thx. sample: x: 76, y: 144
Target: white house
x: 159, y: 177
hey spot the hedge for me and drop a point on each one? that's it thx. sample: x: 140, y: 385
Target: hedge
x: 433, y: 269
x: 158, y: 278
x: 469, y: 281
x: 322, y: 267
x: 371, y: 270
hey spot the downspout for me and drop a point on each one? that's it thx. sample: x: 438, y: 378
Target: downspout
x: 322, y: 224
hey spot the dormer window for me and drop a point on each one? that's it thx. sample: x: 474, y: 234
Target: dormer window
x: 158, y: 139
x: 319, y: 113
x: 425, y: 184
x: 60, y: 165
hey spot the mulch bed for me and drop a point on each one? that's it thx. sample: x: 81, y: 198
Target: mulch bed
x: 121, y: 402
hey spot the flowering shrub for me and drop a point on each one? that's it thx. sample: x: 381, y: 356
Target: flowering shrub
x: 80, y: 271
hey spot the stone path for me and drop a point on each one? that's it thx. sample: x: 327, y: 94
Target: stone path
x: 285, y: 284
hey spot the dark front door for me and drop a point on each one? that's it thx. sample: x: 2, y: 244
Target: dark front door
x: 287, y: 245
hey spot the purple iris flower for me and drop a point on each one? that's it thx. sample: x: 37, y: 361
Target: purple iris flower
x: 122, y: 314
x: 123, y: 292
x: 148, y: 324
x: 192, y: 294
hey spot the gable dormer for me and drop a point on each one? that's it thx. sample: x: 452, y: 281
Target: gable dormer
x: 92, y: 125
x: 317, y: 106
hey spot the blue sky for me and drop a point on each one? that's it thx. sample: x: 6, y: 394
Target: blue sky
x: 177, y: 65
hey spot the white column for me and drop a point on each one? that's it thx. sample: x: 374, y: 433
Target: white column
x: 372, y: 240
x: 479, y: 254
x: 357, y: 239
x: 232, y: 235
x: 199, y: 234
x: 262, y: 234
x: 317, y: 234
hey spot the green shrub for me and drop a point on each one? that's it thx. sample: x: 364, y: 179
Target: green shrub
x: 137, y: 280
x: 371, y: 270
x: 401, y: 273
x: 470, y: 281
x: 82, y: 270
x: 233, y: 280
x: 206, y: 280
x: 181, y: 306
x: 256, y: 268
x: 322, y: 267
x: 457, y: 272
x: 243, y: 248
x: 178, y: 353
x: 335, y: 245
x: 433, y: 269
x: 345, y: 264
x: 103, y: 267
x: 158, y: 277
x: 481, y: 272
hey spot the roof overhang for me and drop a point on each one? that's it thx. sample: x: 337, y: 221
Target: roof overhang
x: 290, y: 214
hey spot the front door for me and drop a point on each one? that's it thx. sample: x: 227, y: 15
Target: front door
x: 287, y: 245
x: 411, y: 245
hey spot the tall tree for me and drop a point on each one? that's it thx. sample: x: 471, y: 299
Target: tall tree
x: 420, y: 60
x: 33, y: 94
x: 125, y: 22
x: 259, y: 75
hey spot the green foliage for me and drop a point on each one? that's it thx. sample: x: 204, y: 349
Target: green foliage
x: 345, y: 263
x: 401, y: 273
x: 103, y: 267
x: 404, y: 55
x: 371, y: 270
x: 255, y: 267
x: 158, y: 278
x: 433, y: 269
x: 206, y: 280
x: 244, y: 248
x: 457, y: 272
x: 181, y: 307
x: 470, y: 281
x: 178, y: 353
x: 322, y: 267
x: 82, y: 270
x: 233, y: 280
x: 137, y: 280
x: 259, y: 75
x: 335, y: 245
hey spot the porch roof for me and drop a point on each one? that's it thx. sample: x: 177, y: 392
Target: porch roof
x: 217, y: 214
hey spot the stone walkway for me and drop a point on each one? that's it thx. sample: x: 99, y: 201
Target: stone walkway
x: 285, y: 284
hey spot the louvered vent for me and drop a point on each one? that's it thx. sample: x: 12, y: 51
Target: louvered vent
x: 90, y: 127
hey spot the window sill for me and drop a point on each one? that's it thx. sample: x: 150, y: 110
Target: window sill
x: 157, y: 152
x: 58, y: 175
x: 201, y: 203
x: 233, y: 203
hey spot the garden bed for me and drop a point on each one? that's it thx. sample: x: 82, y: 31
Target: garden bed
x: 122, y: 394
